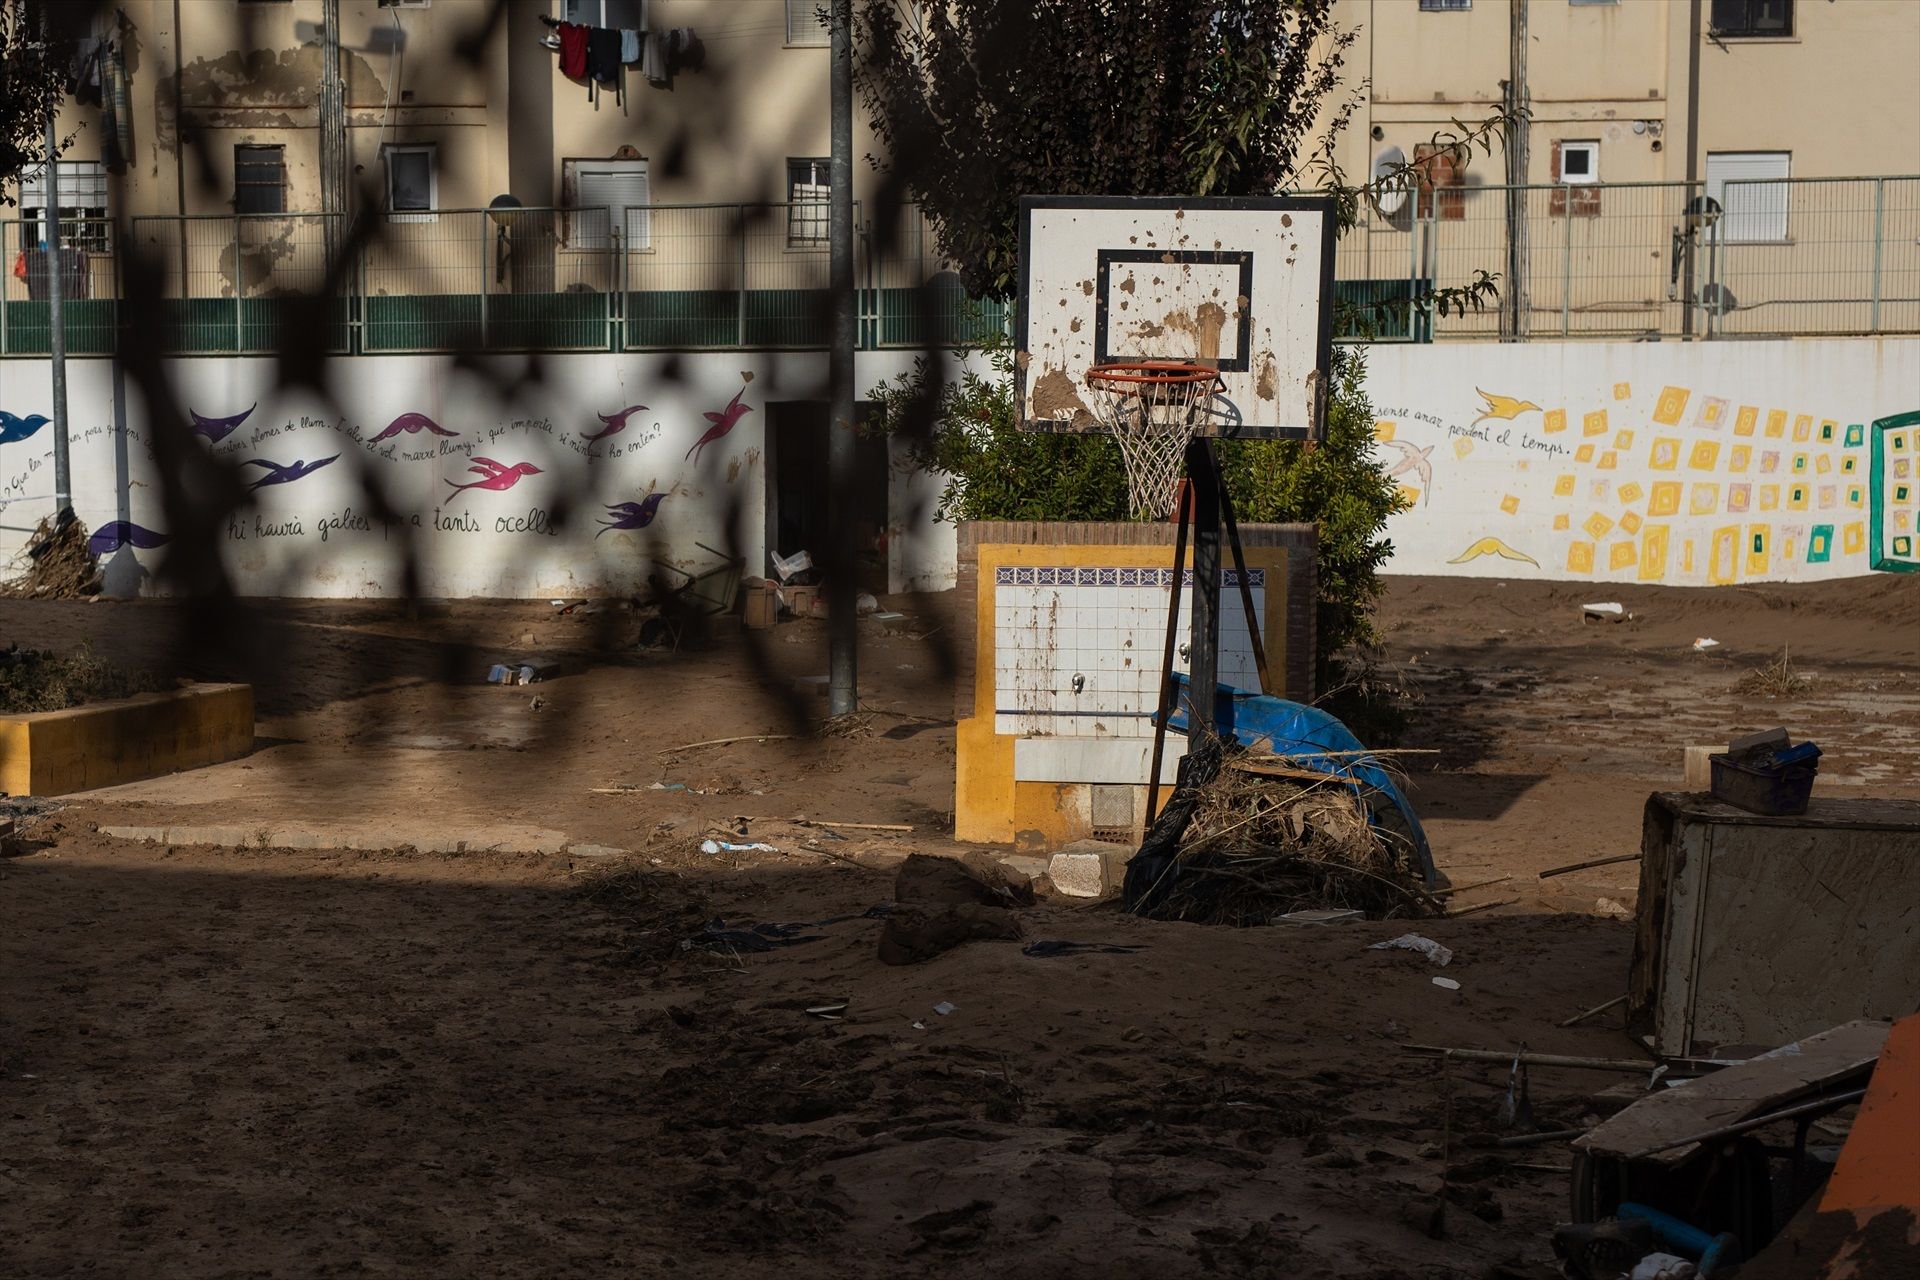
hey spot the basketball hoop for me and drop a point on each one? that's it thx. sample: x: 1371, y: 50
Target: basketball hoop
x: 1152, y: 407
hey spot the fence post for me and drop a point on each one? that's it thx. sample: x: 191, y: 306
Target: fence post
x: 6, y: 255
x: 1879, y: 242
x: 486, y: 335
x: 239, y: 292
x: 740, y: 299
x: 1566, y: 262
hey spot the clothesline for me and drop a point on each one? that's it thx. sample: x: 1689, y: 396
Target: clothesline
x: 596, y: 54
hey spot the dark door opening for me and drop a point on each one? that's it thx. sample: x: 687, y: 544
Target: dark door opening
x: 799, y: 492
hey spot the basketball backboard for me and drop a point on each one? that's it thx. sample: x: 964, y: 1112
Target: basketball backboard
x: 1244, y: 285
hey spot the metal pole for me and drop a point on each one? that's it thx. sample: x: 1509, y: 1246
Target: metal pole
x: 1164, y: 706
x: 1514, y: 314
x: 1693, y: 158
x: 1879, y: 240
x: 842, y: 693
x: 1566, y: 265
x: 239, y: 289
x: 333, y: 123
x: 1203, y: 654
x: 57, y: 325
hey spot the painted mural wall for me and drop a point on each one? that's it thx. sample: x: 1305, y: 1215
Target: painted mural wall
x: 1692, y: 464
x: 579, y: 479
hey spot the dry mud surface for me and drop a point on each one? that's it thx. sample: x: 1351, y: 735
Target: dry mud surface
x: 219, y: 1062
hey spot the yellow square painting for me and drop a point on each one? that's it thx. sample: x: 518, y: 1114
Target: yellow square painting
x: 1510, y: 504
x: 1630, y: 522
x: 1823, y: 463
x: 1672, y: 403
x: 1561, y: 522
x: 1803, y: 426
x: 1704, y: 500
x: 1594, y: 424
x: 1738, y: 457
x: 1756, y: 549
x: 1623, y: 439
x: 1630, y: 491
x: 1608, y: 460
x: 1653, y: 553
x: 1853, y: 538
x: 1622, y: 390
x: 1665, y: 499
x: 1705, y: 454
x: 1597, y: 526
x: 1583, y: 454
x: 1623, y: 554
x: 1743, y: 422
x: 1666, y: 454
x: 1554, y: 420
x: 1563, y: 485
x: 1769, y: 497
x: 1580, y: 557
x: 1776, y: 423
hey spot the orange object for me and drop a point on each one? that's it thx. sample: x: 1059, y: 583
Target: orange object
x: 1879, y: 1167
x: 20, y: 265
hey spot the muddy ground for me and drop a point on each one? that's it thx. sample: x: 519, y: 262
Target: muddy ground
x: 221, y: 1062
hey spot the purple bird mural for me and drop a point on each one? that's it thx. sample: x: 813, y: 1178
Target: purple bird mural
x: 218, y: 429
x: 495, y: 476
x: 631, y: 515
x: 722, y: 422
x: 277, y: 474
x: 412, y: 424
x: 109, y: 538
x: 615, y: 422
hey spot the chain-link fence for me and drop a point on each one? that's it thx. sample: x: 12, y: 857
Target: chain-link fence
x: 1616, y: 260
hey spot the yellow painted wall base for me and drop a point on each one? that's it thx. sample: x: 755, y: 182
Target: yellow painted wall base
x: 52, y: 753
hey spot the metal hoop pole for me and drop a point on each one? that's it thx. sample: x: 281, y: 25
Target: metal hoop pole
x: 1166, y: 662
x: 1246, y: 587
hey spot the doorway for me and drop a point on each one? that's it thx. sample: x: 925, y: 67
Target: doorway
x: 799, y: 492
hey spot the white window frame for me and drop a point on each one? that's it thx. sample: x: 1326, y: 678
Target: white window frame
x: 432, y: 151
x: 822, y: 167
x: 1590, y: 146
x: 76, y: 207
x: 810, y: 32
x: 593, y: 13
x: 1446, y: 6
x: 1765, y: 197
x: 624, y: 223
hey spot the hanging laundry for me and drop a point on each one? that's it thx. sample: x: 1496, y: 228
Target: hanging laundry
x: 653, y: 58
x: 573, y: 51
x: 629, y: 46
x: 684, y: 51
x: 603, y: 54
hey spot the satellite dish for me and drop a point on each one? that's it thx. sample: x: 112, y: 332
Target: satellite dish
x: 1389, y: 182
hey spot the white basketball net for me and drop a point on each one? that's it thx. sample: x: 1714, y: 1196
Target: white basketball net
x: 1153, y: 420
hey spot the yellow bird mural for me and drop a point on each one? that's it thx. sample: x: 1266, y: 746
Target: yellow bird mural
x: 1492, y: 546
x: 1504, y: 408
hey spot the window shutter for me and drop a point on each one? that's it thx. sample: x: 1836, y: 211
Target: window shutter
x: 1752, y: 213
x: 620, y: 194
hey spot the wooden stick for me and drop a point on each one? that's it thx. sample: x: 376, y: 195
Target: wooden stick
x: 1531, y: 1059
x: 1596, y: 862
x: 1579, y: 1018
x: 1539, y: 1139
x: 1262, y: 768
x: 1758, y: 1122
x: 854, y: 826
x: 1481, y: 906
x: 1468, y: 888
x: 721, y: 742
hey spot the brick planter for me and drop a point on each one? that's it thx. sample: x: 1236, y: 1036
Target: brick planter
x: 51, y: 753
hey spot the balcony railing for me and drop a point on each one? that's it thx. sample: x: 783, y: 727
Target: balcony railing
x: 1620, y: 260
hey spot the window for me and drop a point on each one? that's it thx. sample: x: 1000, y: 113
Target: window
x: 405, y: 4
x: 410, y: 182
x: 259, y: 179
x: 1752, y: 210
x: 83, y: 205
x: 1578, y: 3
x: 608, y: 194
x: 808, y: 203
x: 807, y: 22
x: 1576, y: 176
x: 1752, y: 18
x: 1445, y: 6
x: 1441, y: 189
x: 627, y: 15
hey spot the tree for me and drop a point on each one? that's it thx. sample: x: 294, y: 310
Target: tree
x: 990, y: 100
x: 35, y: 48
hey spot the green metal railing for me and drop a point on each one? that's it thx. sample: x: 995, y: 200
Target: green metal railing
x: 1801, y: 257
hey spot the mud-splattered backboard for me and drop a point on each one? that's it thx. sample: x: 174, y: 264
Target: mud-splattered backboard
x: 1245, y: 285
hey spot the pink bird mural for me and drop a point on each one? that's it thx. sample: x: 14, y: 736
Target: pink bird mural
x: 412, y: 424
x: 615, y: 422
x: 722, y: 421
x: 495, y: 475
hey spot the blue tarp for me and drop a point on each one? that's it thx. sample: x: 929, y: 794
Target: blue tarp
x: 1313, y: 740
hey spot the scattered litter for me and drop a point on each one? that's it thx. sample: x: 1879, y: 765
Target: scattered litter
x: 1662, y: 1266
x: 1763, y: 774
x: 668, y: 786
x: 729, y: 846
x: 828, y: 1012
x: 1516, y: 1107
x: 1608, y: 907
x: 787, y: 568
x: 1414, y: 942
x: 864, y: 604
x: 537, y: 703
x: 893, y: 622
x: 945, y: 1007
x: 1706, y: 642
x: 1448, y: 983
x: 522, y: 672
x: 919, y: 1025
x: 722, y: 742
x: 1610, y: 611
x: 1055, y: 947
x: 1593, y: 862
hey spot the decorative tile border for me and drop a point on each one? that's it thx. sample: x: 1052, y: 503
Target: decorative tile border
x: 1091, y: 576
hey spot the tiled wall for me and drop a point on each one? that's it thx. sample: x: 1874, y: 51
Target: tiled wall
x: 1077, y: 649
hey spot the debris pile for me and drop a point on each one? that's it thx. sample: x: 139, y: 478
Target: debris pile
x: 58, y: 564
x: 1258, y: 845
